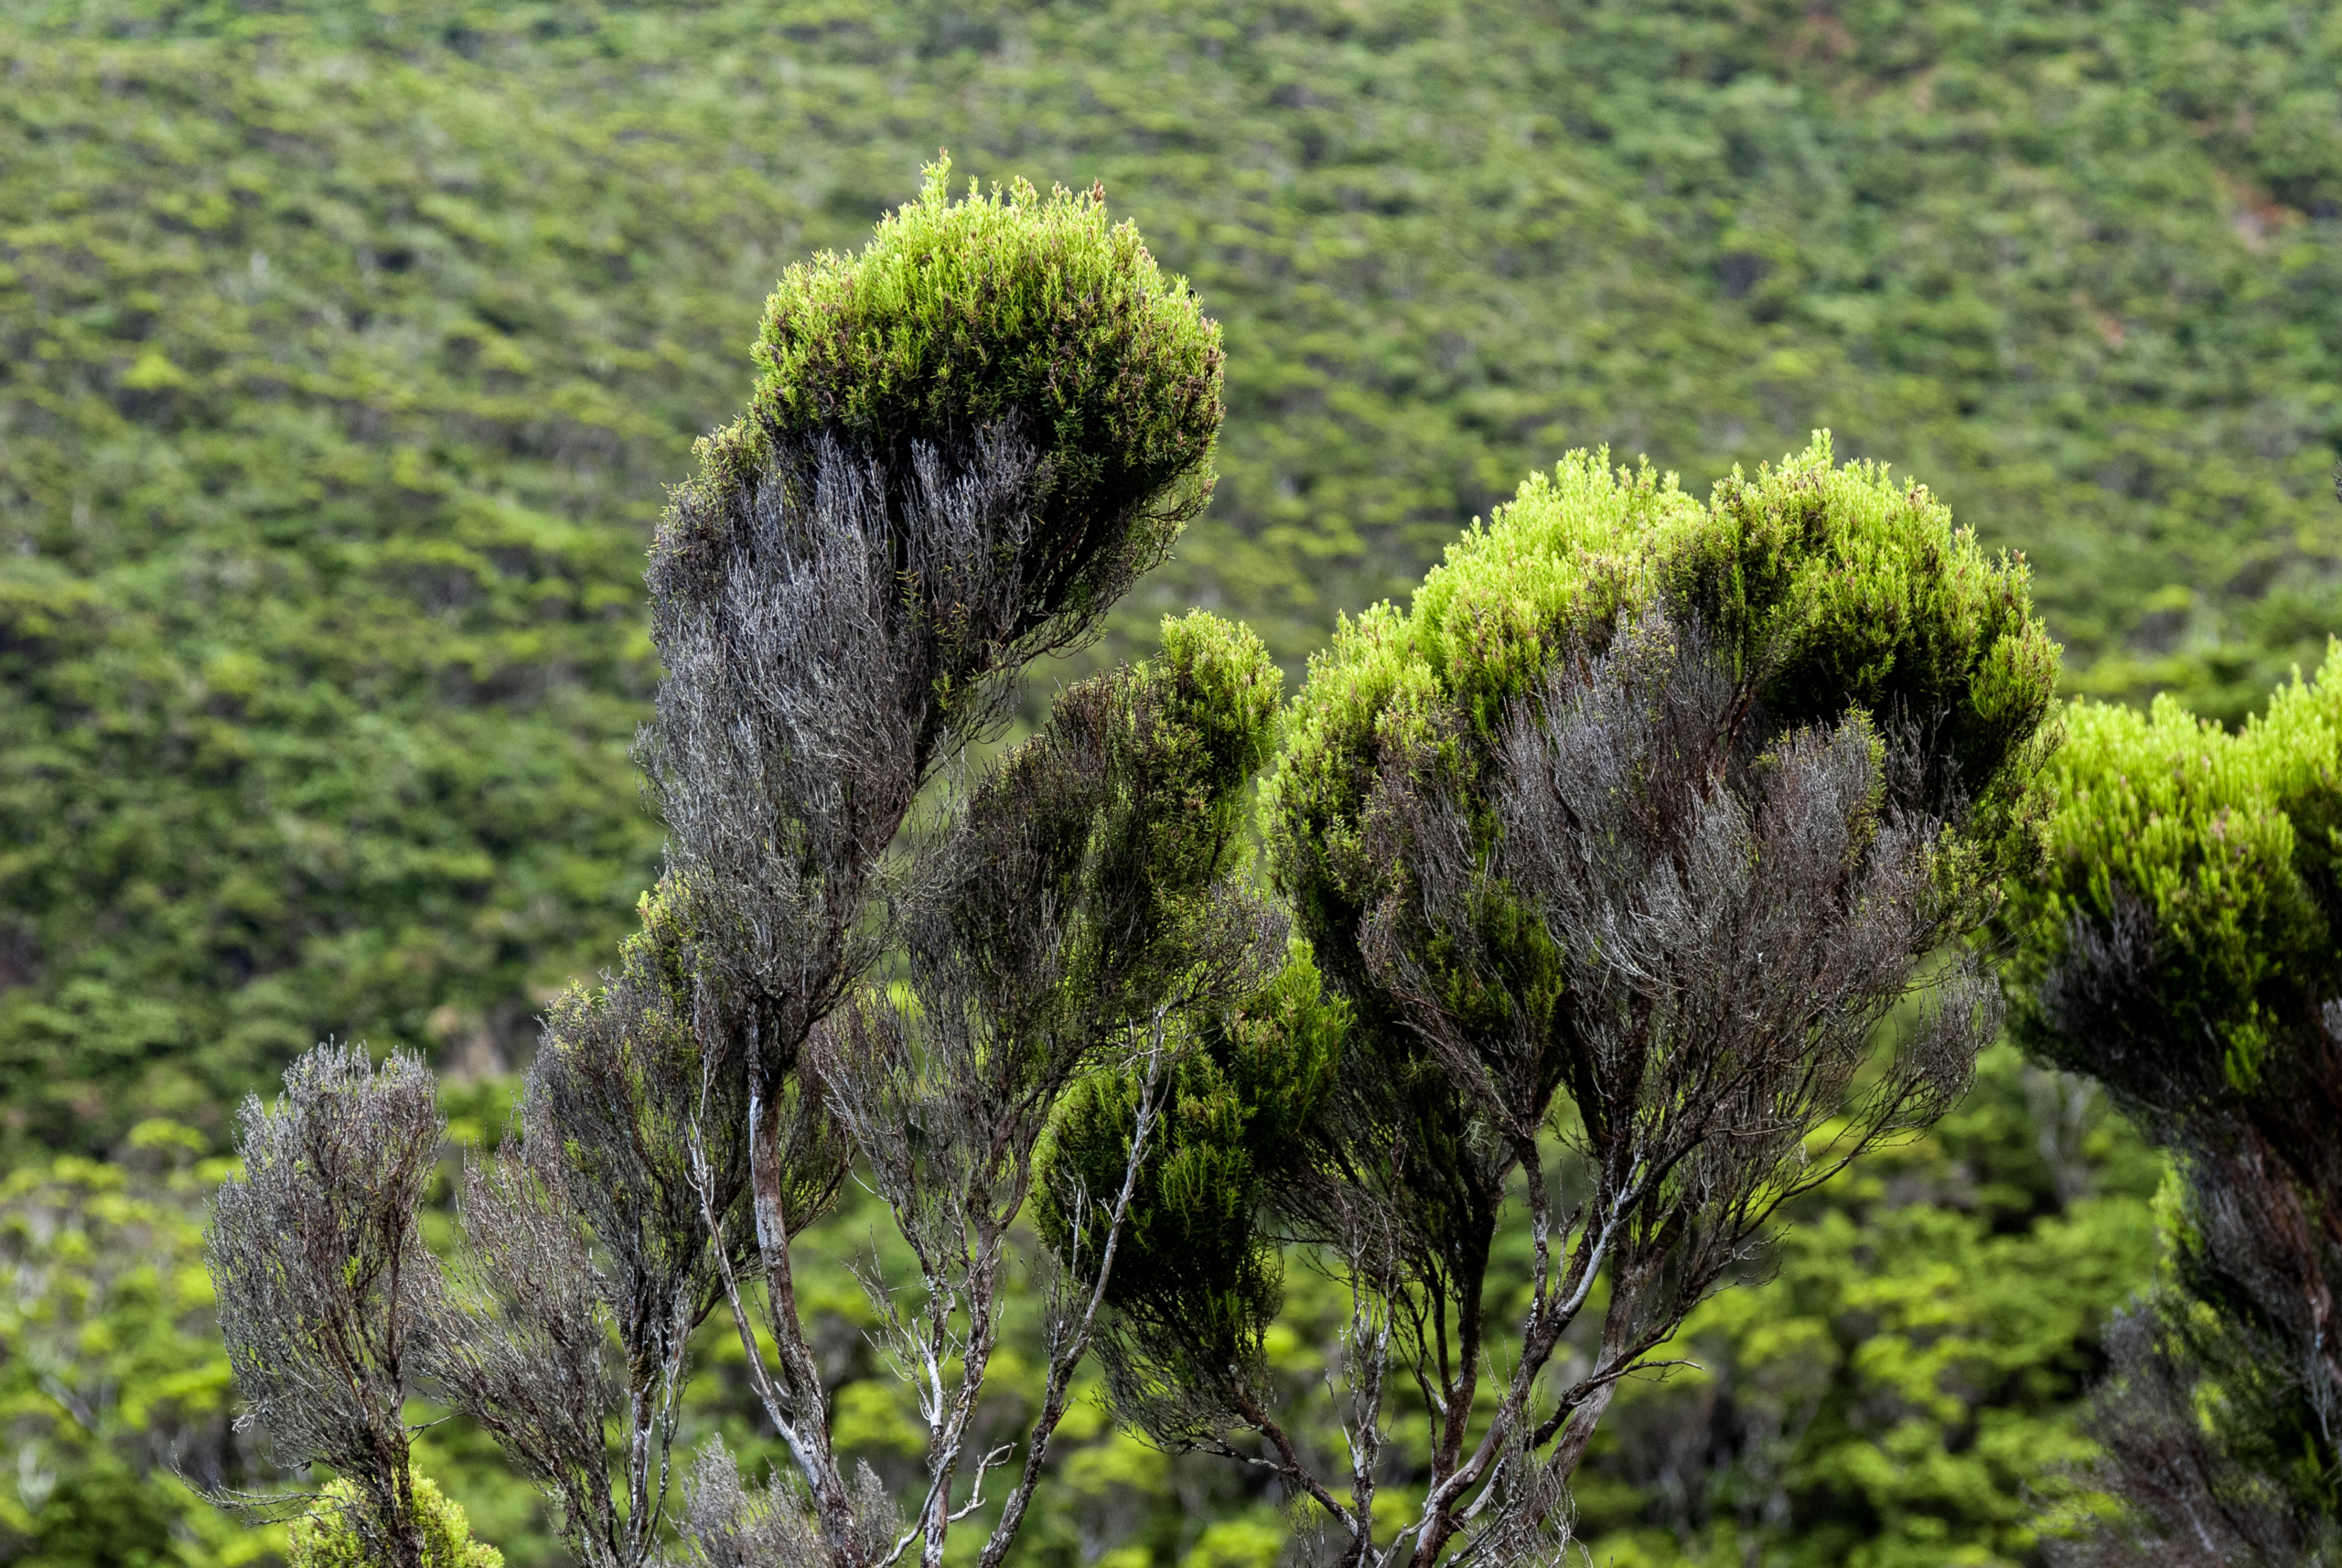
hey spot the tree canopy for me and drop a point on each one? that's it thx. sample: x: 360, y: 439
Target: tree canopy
x: 2181, y: 948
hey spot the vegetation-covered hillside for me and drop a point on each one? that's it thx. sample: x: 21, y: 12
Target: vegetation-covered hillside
x: 345, y: 350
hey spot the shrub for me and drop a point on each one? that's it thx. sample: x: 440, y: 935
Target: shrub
x: 326, y: 1538
x: 1006, y: 306
x: 2178, y: 942
x: 970, y: 439
x: 1630, y: 832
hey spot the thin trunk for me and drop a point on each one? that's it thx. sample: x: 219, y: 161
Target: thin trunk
x: 1068, y: 1353
x: 799, y: 1370
x: 1579, y: 1430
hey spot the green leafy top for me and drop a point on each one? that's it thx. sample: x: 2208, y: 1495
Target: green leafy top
x: 958, y: 314
x: 2227, y: 841
x: 1830, y: 589
x: 1133, y: 796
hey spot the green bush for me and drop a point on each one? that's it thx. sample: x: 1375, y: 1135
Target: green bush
x: 112, y: 1374
x: 2228, y: 843
x: 2179, y: 944
x: 1858, y: 590
x: 1238, y: 1103
x: 324, y: 1539
x: 1008, y: 305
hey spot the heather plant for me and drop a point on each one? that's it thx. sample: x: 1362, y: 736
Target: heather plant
x: 324, y: 1282
x: 1615, y: 850
x: 347, y: 357
x: 1008, y: 305
x: 328, y: 1537
x: 2179, y: 945
x: 968, y: 440
x: 1607, y: 861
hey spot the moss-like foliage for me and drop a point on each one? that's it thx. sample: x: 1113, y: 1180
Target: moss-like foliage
x: 2178, y: 943
x: 1009, y: 313
x: 1121, y: 820
x: 1836, y: 588
x: 2227, y: 843
x: 1196, y: 725
x: 324, y: 1539
x: 1193, y: 1263
x: 1177, y: 742
x: 1010, y: 304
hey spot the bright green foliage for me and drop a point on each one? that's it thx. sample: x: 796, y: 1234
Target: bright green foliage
x: 1198, y: 722
x: 323, y: 1538
x: 1192, y: 1250
x: 110, y: 1367
x: 1131, y: 797
x: 2180, y: 944
x: 2229, y: 842
x: 1854, y: 592
x: 1011, y: 306
x: 1861, y: 593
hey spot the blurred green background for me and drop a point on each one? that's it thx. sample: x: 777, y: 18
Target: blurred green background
x: 345, y: 351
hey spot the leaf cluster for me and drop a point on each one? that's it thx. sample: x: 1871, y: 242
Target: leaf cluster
x: 1827, y: 589
x: 324, y: 1538
x: 1196, y: 1270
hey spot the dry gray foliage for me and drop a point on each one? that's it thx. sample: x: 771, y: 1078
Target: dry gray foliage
x: 2234, y: 1362
x: 830, y: 634
x: 1042, y: 946
x: 826, y: 642
x: 832, y: 628
x: 586, y: 1262
x: 726, y: 1523
x: 2190, y: 1503
x: 323, y: 1282
x: 1735, y: 915
x: 525, y: 1341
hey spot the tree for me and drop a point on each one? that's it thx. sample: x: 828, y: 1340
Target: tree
x: 1608, y: 860
x: 1615, y: 851
x: 968, y: 440
x: 2179, y: 943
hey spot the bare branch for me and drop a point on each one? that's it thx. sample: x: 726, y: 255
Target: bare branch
x: 324, y: 1282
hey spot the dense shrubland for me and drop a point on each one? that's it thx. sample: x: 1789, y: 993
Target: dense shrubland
x: 337, y: 412
x: 345, y: 354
